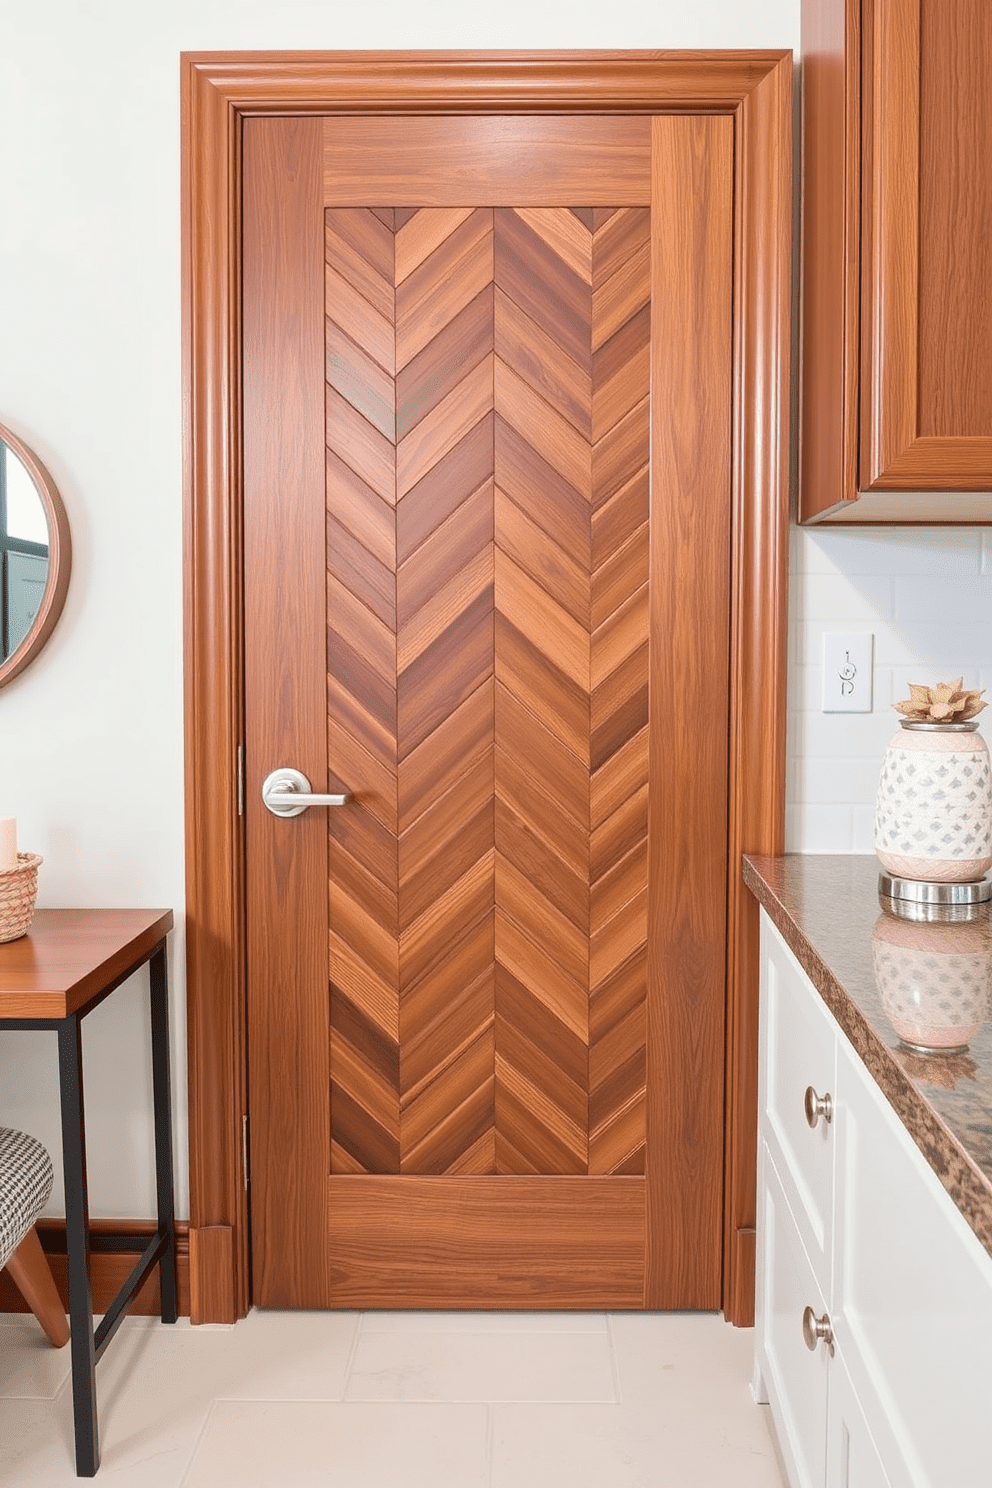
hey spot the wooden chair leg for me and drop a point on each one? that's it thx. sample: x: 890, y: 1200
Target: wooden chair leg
x: 30, y: 1273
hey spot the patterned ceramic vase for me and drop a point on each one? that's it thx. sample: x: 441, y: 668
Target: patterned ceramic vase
x: 933, y: 815
x: 935, y: 981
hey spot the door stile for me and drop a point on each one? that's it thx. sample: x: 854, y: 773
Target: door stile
x: 692, y: 279
x: 286, y: 858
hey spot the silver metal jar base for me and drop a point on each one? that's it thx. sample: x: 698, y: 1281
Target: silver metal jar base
x: 915, y: 899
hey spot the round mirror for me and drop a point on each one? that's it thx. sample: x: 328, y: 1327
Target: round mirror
x: 35, y: 555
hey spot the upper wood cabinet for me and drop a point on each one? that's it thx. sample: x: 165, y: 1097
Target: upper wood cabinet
x: 897, y: 261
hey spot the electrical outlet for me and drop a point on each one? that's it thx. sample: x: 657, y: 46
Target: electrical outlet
x: 847, y: 669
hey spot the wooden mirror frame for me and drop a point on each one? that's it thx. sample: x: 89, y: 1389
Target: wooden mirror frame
x: 219, y: 91
x: 59, y: 560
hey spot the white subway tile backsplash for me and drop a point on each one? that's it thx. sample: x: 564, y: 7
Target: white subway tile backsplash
x: 897, y: 551
x: 821, y: 829
x: 806, y: 693
x: 836, y: 781
x: 926, y: 596
x: 863, y: 828
x: 840, y: 736
x: 839, y: 598
x: 943, y: 602
x: 885, y: 694
x: 942, y: 645
x: 793, y: 829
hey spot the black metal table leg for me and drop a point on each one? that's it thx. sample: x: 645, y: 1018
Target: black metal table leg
x: 78, y: 1248
x: 162, y: 1096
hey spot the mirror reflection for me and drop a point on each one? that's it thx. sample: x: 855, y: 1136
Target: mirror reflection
x: 35, y: 555
x: 24, y: 551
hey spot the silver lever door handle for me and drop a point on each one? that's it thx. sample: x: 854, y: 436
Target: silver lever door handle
x: 287, y: 792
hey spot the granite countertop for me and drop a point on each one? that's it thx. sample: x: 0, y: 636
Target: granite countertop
x: 874, y: 972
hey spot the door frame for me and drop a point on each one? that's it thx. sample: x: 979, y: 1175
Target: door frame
x: 219, y: 90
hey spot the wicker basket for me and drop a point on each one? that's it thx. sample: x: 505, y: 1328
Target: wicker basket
x: 18, y: 891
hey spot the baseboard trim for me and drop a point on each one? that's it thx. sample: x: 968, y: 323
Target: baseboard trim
x: 108, y: 1269
x: 739, y: 1309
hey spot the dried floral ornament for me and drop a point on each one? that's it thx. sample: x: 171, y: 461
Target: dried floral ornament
x: 948, y: 702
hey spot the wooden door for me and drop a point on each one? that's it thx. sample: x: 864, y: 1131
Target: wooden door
x: 487, y: 391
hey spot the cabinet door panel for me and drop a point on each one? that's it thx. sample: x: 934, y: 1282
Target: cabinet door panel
x: 927, y: 257
x: 796, y: 1378
x: 852, y: 1457
x: 912, y: 1298
x: 896, y: 400
x: 800, y: 1043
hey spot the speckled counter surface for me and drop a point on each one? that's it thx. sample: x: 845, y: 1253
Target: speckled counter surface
x: 828, y: 911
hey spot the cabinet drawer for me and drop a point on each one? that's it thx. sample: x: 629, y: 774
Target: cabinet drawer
x: 913, y: 1298
x: 799, y: 1044
x: 796, y: 1378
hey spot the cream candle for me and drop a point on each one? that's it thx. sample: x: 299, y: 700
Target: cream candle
x: 8, y: 842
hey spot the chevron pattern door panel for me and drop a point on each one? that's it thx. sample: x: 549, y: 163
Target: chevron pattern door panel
x: 487, y: 658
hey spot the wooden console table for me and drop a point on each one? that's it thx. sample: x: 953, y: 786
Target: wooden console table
x: 70, y: 960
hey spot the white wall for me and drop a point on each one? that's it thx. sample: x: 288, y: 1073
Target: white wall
x: 91, y: 735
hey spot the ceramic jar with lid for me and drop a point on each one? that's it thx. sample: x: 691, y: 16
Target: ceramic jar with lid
x: 933, y: 813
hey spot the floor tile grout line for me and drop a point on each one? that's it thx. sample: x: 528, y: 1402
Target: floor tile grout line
x: 346, y: 1381
x: 490, y: 1431
x: 521, y: 1330
x: 614, y: 1361
x: 513, y: 1420
x: 184, y: 1478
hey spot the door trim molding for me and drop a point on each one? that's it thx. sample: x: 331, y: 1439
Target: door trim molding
x: 219, y: 90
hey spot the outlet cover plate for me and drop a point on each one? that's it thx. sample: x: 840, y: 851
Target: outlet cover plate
x: 847, y: 671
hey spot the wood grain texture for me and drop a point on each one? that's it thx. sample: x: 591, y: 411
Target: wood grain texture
x: 218, y: 91
x: 213, y: 1274
x: 466, y: 82
x: 831, y: 250
x: 109, y: 1269
x: 70, y: 957
x: 212, y: 685
x: 758, y: 632
x: 955, y: 256
x: 618, y: 689
x: 427, y: 1075
x: 890, y: 251
x: 688, y: 766
x: 525, y: 1243
x: 411, y: 1039
x: 896, y: 398
x: 285, y: 714
x: 361, y: 623
x: 394, y: 160
x: 29, y: 1271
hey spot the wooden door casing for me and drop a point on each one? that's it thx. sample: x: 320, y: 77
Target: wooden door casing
x: 220, y: 92
x: 488, y: 563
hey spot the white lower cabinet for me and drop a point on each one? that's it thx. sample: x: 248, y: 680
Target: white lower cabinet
x: 863, y: 1255
x: 853, y: 1460
x: 795, y: 1379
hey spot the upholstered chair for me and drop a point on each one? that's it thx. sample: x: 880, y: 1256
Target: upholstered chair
x: 25, y: 1184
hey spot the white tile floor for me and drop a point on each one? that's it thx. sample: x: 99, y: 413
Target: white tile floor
x: 398, y: 1400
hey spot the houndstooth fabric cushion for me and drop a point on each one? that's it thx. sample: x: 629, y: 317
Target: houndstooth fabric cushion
x: 25, y: 1182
